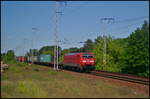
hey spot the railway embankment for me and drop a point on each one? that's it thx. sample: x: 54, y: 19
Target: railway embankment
x: 29, y: 81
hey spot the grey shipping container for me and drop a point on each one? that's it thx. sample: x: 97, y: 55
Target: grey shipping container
x: 29, y: 59
x: 34, y: 58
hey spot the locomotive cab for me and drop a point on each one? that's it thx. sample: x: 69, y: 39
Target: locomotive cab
x: 88, y: 61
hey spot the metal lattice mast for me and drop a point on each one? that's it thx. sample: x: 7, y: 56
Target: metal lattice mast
x: 55, y: 43
x: 107, y: 21
x: 56, y: 49
x: 32, y: 46
x: 24, y: 44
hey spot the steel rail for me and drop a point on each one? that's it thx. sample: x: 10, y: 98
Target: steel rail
x: 121, y: 77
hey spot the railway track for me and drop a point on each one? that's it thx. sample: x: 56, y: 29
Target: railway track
x: 118, y: 76
x: 124, y: 77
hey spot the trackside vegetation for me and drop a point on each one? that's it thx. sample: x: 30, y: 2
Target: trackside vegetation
x: 35, y: 81
x: 125, y: 55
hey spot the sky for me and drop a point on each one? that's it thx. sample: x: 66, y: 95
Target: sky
x: 79, y: 21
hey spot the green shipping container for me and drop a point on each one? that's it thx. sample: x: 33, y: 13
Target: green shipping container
x: 44, y: 58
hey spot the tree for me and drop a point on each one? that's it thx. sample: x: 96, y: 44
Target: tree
x: 35, y: 52
x: 3, y: 55
x: 126, y: 55
x: 73, y: 49
x: 46, y: 48
x: 116, y: 52
x: 88, y: 46
x: 137, y: 52
x: 9, y: 56
x: 98, y: 52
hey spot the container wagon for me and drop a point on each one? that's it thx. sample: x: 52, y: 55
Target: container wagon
x: 43, y: 59
x: 22, y: 59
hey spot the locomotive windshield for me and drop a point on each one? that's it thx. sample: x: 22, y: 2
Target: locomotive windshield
x: 87, y: 56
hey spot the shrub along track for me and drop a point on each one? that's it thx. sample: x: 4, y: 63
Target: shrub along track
x: 140, y: 84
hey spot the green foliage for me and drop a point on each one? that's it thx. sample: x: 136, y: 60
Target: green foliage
x: 30, y: 88
x: 114, y: 54
x: 88, y: 46
x: 98, y: 52
x: 47, y: 83
x: 127, y: 55
x: 74, y: 49
x: 33, y: 52
x: 137, y: 52
x: 2, y: 56
x: 9, y: 56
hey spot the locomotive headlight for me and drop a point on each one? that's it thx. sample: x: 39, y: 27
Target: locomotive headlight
x: 83, y: 61
x: 91, y: 60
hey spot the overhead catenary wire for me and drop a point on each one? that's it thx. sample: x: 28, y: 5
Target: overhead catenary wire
x: 75, y: 9
x: 125, y: 27
x: 130, y: 19
x: 120, y: 21
x: 117, y: 28
x: 115, y: 22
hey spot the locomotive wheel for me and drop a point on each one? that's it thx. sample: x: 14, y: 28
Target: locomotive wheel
x: 68, y: 68
x: 61, y: 67
x: 64, y: 67
x: 81, y: 70
x: 87, y: 70
x: 78, y: 69
x: 73, y: 68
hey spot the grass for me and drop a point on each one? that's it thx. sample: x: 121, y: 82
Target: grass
x: 34, y: 81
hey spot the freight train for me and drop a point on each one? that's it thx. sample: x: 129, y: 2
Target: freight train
x: 81, y: 61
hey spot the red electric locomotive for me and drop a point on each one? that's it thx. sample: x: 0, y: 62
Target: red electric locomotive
x: 82, y: 61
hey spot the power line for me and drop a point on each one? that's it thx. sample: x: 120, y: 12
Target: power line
x: 130, y: 19
x: 125, y: 27
x: 76, y: 9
